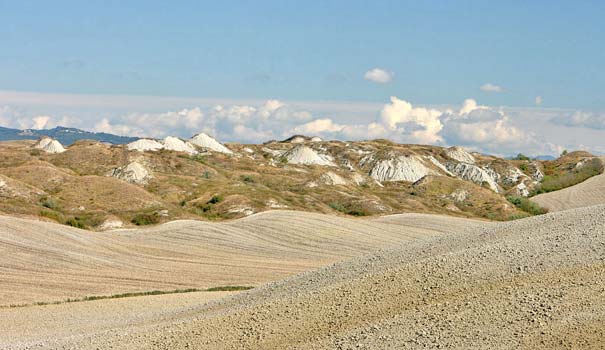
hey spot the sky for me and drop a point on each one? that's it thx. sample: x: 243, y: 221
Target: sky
x: 497, y: 77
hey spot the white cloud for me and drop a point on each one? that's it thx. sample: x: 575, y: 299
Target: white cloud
x: 489, y: 130
x: 242, y: 123
x: 582, y: 119
x: 12, y: 117
x: 378, y: 75
x: 489, y: 87
x: 482, y: 128
x: 538, y: 100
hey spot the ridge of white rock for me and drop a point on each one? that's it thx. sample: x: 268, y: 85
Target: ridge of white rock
x: 301, y: 154
x: 513, y: 176
x: 273, y: 152
x: 475, y: 174
x: 439, y: 165
x: 522, y: 190
x: 43, y: 142
x: 331, y: 178
x: 537, y: 174
x: 175, y: 144
x: 460, y: 154
x: 402, y: 168
x: 144, y: 145
x: 206, y: 141
x: 133, y: 172
x: 50, y: 145
x: 316, y: 139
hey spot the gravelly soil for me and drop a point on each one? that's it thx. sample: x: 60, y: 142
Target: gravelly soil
x: 588, y: 193
x: 41, y: 261
x: 533, y: 283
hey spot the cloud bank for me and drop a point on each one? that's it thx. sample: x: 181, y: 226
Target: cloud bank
x: 582, y: 119
x: 482, y: 128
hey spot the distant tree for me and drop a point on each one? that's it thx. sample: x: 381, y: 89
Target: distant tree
x: 564, y: 153
x: 521, y: 156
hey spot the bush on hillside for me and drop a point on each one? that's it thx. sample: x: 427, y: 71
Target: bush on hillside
x: 348, y: 209
x: 215, y: 199
x: 143, y: 219
x: 526, y: 205
x: 49, y: 203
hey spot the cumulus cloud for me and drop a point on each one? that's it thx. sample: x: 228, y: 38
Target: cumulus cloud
x: 11, y: 117
x: 487, y: 129
x: 489, y: 87
x: 378, y: 75
x: 477, y: 127
x: 582, y: 119
x: 397, y: 120
x: 242, y: 123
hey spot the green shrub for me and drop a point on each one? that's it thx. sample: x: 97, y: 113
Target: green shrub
x: 247, y: 179
x: 215, y: 199
x: 49, y: 203
x: 199, y: 158
x: 143, y: 219
x: 228, y: 288
x: 349, y: 210
x: 521, y: 156
x: 84, y: 221
x: 338, y: 207
x: 75, y: 222
x: 53, y: 215
x: 526, y: 205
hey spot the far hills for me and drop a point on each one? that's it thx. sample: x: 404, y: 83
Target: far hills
x: 66, y: 136
x: 98, y: 185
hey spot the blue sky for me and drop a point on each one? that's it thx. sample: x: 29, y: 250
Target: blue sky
x: 434, y: 53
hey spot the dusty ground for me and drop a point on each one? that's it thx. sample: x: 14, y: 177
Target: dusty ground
x: 26, y: 326
x: 587, y: 193
x: 40, y: 261
x: 532, y: 283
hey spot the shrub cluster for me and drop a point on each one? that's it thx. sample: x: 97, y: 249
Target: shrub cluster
x: 348, y: 209
x: 143, y: 219
x: 526, y: 205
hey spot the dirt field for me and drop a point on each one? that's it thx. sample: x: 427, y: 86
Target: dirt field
x: 587, y: 193
x: 42, y: 262
x: 532, y: 283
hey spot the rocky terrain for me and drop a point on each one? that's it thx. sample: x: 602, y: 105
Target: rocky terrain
x: 98, y: 186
